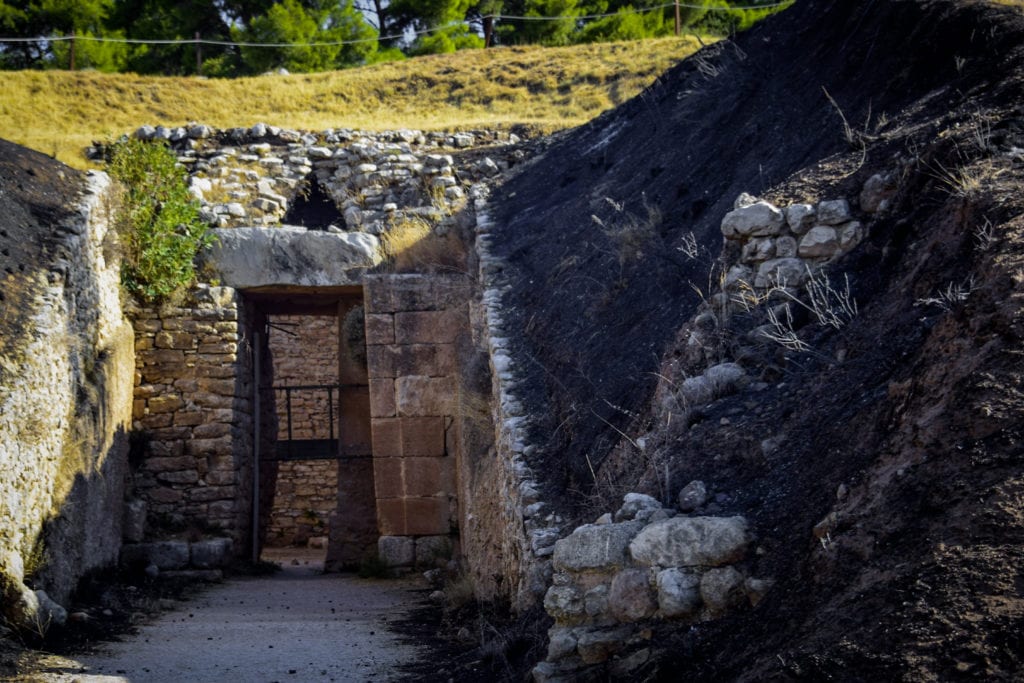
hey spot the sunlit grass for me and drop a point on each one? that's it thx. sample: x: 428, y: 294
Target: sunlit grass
x: 60, y: 112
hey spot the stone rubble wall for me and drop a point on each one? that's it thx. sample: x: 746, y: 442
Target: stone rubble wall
x: 305, y: 497
x: 308, y: 356
x: 65, y: 411
x: 193, y: 411
x: 616, y: 578
x: 305, y: 491
x: 412, y: 324
x: 252, y: 176
x: 510, y: 530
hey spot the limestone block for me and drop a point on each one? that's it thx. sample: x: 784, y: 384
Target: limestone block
x: 738, y: 274
x: 692, y: 496
x: 783, y: 272
x: 721, y: 589
x: 211, y: 553
x: 380, y: 328
x: 758, y: 249
x: 433, y: 551
x: 164, y: 554
x: 169, y: 464
x: 419, y: 395
x: 595, y: 601
x: 426, y: 327
x: 422, y: 436
x: 632, y: 503
x: 850, y: 235
x: 630, y: 597
x: 179, y: 477
x: 564, y: 603
x: 387, y: 437
x: 561, y: 643
x: 785, y: 247
x: 382, y: 398
x: 877, y: 193
x: 800, y: 217
x: 164, y: 404
x: 833, y: 212
x: 691, y: 542
x: 255, y: 257
x: 428, y: 476
x: 759, y: 219
x: 678, y: 593
x: 821, y: 241
x: 427, y: 516
x: 597, y: 646
x: 174, y: 340
x: 601, y: 546
x: 396, y: 551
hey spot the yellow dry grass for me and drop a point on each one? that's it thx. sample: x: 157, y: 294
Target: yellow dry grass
x: 60, y: 112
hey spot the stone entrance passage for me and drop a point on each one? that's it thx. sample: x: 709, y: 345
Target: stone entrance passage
x: 316, y: 484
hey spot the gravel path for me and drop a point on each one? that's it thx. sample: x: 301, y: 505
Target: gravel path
x: 297, y: 625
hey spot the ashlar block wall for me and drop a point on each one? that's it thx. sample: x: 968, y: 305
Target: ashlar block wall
x: 412, y: 323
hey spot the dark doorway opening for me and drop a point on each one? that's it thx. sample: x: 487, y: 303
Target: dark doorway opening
x: 313, y: 208
x: 316, y: 491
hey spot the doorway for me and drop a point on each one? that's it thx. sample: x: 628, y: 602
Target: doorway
x: 316, y: 492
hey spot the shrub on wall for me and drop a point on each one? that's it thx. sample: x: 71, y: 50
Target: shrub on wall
x: 159, y: 226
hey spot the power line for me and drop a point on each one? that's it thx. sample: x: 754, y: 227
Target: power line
x: 357, y: 41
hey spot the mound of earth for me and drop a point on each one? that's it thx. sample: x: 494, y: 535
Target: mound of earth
x: 881, y: 467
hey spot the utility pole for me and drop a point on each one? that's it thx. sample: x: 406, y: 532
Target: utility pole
x: 679, y: 23
x: 71, y: 64
x: 199, y: 55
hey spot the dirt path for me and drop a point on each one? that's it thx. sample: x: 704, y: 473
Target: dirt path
x: 297, y: 625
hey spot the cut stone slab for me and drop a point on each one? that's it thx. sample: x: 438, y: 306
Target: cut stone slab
x: 262, y: 257
x: 595, y: 546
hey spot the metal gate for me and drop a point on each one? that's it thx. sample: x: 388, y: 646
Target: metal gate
x: 321, y: 436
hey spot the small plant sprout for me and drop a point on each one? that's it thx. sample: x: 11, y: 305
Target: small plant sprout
x: 949, y: 298
x: 689, y: 247
x: 984, y: 235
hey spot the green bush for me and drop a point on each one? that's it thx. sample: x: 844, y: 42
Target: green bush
x: 159, y: 226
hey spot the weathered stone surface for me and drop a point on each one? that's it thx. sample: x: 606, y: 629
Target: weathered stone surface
x: 691, y: 542
x: 821, y: 241
x: 632, y: 503
x: 258, y: 257
x: 564, y: 603
x: 800, y: 217
x: 418, y: 395
x: 784, y: 272
x: 397, y: 551
x: 630, y: 597
x: 877, y: 192
x: 833, y: 211
x: 211, y: 553
x: 759, y: 219
x: 600, y: 546
x: 163, y: 554
x: 692, y: 496
x: 678, y: 592
x: 596, y: 646
x: 721, y: 589
x: 561, y: 643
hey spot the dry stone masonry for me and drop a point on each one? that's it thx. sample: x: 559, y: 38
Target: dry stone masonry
x: 193, y: 411
x: 615, y: 578
x: 335, y: 179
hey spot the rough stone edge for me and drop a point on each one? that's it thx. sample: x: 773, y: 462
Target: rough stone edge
x: 537, y: 527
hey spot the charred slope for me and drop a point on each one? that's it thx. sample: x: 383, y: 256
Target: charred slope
x: 590, y: 231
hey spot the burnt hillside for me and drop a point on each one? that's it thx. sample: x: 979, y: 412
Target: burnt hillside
x: 880, y: 463
x: 741, y: 116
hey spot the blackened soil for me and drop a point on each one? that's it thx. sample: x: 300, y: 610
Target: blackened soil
x: 899, y: 437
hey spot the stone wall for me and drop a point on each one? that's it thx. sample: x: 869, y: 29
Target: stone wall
x: 193, y: 411
x: 305, y: 498
x: 617, y: 577
x: 65, y: 409
x: 510, y: 531
x: 412, y: 324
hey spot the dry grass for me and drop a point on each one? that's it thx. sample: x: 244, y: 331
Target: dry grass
x: 60, y: 113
